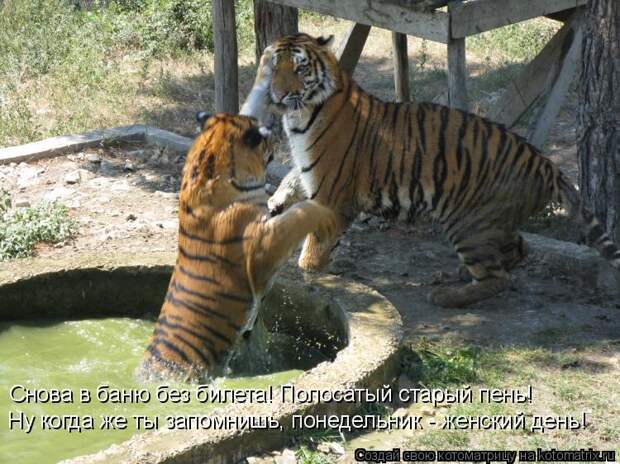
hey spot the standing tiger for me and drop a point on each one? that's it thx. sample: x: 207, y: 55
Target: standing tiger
x: 228, y: 250
x: 353, y: 152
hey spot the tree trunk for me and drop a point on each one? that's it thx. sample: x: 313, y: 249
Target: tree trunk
x: 598, y: 116
x: 271, y: 22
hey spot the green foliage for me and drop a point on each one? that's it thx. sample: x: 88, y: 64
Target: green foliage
x: 305, y: 455
x: 57, y: 57
x: 515, y: 42
x: 164, y: 27
x: 435, y: 366
x: 22, y: 228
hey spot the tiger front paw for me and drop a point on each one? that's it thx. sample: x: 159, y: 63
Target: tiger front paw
x: 275, y: 205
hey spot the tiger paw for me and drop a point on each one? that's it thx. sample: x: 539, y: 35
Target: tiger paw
x: 274, y: 206
x: 446, y: 297
x: 458, y: 297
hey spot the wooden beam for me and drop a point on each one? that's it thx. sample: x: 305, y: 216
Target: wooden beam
x: 225, y: 66
x: 394, y: 15
x: 401, y: 67
x: 351, y: 47
x: 558, y: 88
x: 475, y: 16
x: 457, y: 75
x: 523, y: 91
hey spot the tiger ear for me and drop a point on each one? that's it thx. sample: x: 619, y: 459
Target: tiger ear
x: 254, y: 136
x: 325, y: 41
x: 202, y: 117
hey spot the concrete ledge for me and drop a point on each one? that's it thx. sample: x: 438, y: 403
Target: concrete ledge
x: 170, y: 140
x: 574, y: 259
x: 68, y: 143
x: 61, y: 145
x: 370, y: 360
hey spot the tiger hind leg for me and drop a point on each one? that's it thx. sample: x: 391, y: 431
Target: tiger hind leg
x: 484, y: 262
x: 514, y: 250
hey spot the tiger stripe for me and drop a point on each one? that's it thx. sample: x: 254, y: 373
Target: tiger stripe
x: 357, y: 153
x: 227, y: 252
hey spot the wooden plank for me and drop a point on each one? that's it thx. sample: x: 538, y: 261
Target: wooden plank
x: 475, y: 16
x: 69, y: 143
x: 351, y: 47
x: 401, y: 67
x: 569, y: 61
x: 225, y: 66
x: 523, y: 91
x: 394, y: 15
x: 457, y: 75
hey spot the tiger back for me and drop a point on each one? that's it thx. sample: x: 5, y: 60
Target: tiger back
x: 353, y: 152
x: 228, y: 251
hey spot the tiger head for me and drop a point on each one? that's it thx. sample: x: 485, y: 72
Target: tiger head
x: 304, y: 71
x: 226, y: 163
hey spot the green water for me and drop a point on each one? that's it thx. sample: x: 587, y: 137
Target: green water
x: 83, y: 355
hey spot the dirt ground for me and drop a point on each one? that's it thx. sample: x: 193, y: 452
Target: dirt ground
x: 125, y: 198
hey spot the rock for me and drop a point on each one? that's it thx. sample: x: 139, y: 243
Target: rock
x: 400, y: 412
x: 129, y: 166
x: 428, y: 410
x: 171, y: 195
x: 138, y: 154
x: 131, y: 217
x: 336, y: 448
x: 93, y: 158
x: 58, y: 194
x: 323, y: 448
x: 287, y: 457
x: 23, y: 203
x: 27, y: 175
x: 106, y: 167
x: 76, y: 157
x: 80, y: 175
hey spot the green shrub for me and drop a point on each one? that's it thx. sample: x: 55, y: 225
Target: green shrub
x: 22, y: 228
x: 160, y: 27
x: 515, y: 42
x: 436, y: 366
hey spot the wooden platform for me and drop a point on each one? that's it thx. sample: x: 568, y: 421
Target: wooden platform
x: 448, y: 22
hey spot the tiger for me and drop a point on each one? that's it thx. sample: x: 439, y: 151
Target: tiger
x: 354, y: 153
x: 229, y: 249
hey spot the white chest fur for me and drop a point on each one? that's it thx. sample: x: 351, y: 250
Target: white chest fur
x: 298, y: 143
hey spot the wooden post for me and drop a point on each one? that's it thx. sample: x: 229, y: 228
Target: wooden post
x: 350, y: 49
x: 272, y: 21
x: 226, y: 72
x: 401, y: 67
x: 457, y: 74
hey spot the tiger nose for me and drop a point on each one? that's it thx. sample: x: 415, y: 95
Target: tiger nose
x: 278, y: 96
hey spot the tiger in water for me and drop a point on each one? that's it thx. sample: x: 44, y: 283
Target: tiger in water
x: 228, y: 250
x: 353, y: 152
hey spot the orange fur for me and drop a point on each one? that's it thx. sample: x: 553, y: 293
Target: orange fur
x: 354, y: 152
x: 228, y: 251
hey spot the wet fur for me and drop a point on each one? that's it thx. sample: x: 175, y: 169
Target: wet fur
x: 228, y: 251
